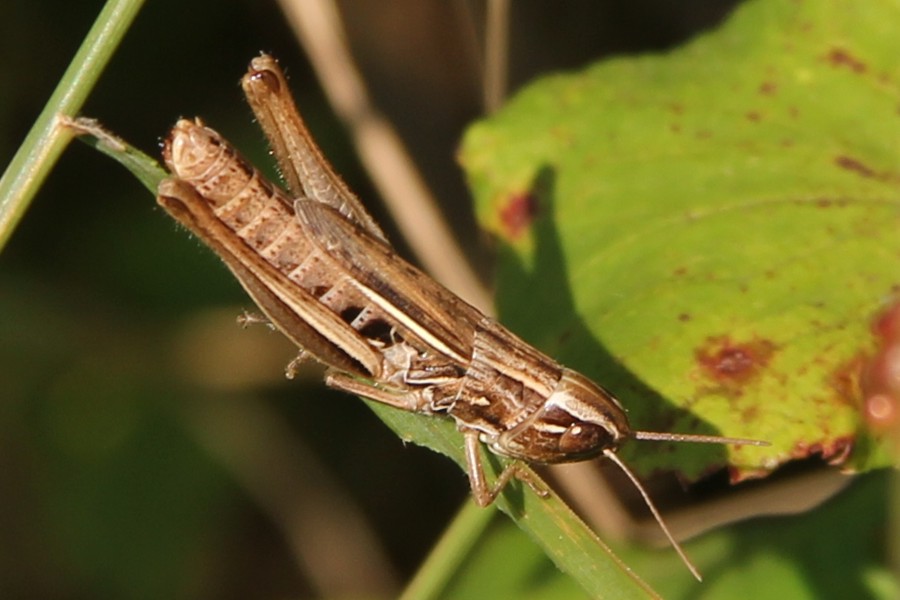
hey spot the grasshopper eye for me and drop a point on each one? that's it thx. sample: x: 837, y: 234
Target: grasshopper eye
x: 583, y: 438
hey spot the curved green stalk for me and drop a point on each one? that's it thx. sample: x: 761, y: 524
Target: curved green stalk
x: 47, y: 139
x: 451, y: 550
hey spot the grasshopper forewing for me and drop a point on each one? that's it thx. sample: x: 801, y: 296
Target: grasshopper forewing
x: 322, y: 271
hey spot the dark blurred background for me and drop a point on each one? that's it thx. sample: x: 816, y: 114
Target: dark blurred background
x: 141, y: 430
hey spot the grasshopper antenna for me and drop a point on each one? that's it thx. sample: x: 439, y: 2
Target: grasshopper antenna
x: 674, y: 437
x: 659, y: 436
x: 662, y: 524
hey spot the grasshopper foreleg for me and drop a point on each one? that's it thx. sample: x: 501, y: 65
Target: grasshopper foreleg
x: 485, y: 494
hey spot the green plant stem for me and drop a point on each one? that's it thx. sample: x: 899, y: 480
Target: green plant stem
x: 46, y: 140
x: 451, y: 550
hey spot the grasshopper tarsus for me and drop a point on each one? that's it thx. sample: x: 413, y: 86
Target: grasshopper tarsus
x: 293, y: 367
x: 248, y: 319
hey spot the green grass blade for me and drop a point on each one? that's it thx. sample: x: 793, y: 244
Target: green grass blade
x: 46, y: 140
x: 139, y: 164
x: 449, y: 553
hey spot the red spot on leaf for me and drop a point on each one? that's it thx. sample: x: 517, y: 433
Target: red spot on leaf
x: 887, y: 324
x: 881, y: 376
x: 841, y: 58
x: 733, y: 364
x: 517, y: 214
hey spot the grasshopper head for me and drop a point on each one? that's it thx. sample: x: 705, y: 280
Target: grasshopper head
x: 200, y: 156
x: 579, y: 420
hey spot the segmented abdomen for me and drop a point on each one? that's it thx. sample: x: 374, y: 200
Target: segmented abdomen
x: 262, y: 216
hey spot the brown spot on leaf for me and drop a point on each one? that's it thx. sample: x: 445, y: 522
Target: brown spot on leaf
x: 845, y: 380
x: 768, y: 88
x: 841, y: 58
x: 517, y: 214
x: 733, y: 364
x: 852, y: 164
x: 753, y: 116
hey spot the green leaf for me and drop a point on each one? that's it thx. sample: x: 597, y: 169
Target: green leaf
x: 710, y: 232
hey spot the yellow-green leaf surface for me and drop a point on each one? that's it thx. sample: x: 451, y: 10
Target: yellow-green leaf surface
x: 710, y: 232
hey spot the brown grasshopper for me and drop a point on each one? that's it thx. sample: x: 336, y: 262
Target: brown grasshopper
x: 322, y: 271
